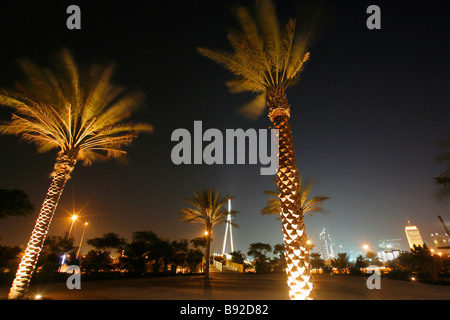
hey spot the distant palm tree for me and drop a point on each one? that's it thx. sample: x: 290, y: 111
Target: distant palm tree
x: 341, y: 262
x: 316, y: 261
x: 266, y: 60
x: 308, y: 206
x: 14, y: 203
x: 208, y: 209
x: 79, y: 113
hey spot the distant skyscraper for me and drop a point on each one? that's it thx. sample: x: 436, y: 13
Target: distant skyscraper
x: 327, y: 245
x: 413, y: 235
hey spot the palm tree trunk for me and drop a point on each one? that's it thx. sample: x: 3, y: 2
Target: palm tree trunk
x: 208, y: 251
x: 298, y: 267
x: 63, y: 167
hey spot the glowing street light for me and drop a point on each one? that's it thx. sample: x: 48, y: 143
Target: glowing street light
x: 81, y: 241
x: 74, y: 217
x: 366, y: 247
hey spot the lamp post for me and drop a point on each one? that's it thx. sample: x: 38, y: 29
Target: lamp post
x: 81, y: 241
x: 74, y: 217
x: 366, y: 248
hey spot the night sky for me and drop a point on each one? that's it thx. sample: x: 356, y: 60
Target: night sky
x: 366, y: 117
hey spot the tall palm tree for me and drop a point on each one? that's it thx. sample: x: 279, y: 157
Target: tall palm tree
x: 266, y: 60
x: 208, y: 209
x: 82, y: 115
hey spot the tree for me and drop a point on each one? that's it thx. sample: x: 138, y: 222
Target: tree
x: 279, y: 264
x: 316, y: 261
x: 51, y: 257
x: 208, y: 209
x: 341, y: 262
x: 266, y: 60
x: 308, y: 206
x: 360, y: 263
x: 81, y: 114
x: 15, y: 203
x: 373, y: 258
x: 9, y: 257
x: 237, y: 257
x: 179, y: 253
x: 444, y: 178
x: 96, y: 260
x: 138, y: 251
x: 108, y: 242
x: 195, y: 254
x: 259, y: 251
x: 424, y: 262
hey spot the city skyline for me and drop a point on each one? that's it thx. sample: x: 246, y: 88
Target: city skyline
x: 367, y: 114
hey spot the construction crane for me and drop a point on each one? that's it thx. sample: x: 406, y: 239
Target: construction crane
x: 446, y: 231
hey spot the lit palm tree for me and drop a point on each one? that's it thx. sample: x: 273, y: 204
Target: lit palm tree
x: 81, y: 114
x: 266, y: 60
x: 208, y: 209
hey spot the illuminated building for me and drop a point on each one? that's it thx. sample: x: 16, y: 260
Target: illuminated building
x: 388, y: 249
x: 413, y: 236
x: 441, y: 243
x: 327, y: 245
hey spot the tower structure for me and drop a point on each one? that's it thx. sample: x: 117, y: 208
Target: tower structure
x: 327, y: 245
x: 230, y: 247
x: 413, y: 235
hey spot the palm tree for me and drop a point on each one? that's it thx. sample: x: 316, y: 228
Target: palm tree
x: 266, y: 60
x: 208, y: 209
x: 14, y: 203
x: 81, y: 114
x: 341, y: 262
x: 316, y: 261
x: 308, y: 206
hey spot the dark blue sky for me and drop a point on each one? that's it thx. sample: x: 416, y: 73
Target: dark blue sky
x: 367, y: 114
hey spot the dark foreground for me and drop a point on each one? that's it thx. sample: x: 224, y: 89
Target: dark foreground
x: 234, y: 286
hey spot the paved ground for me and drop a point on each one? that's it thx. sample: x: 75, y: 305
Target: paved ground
x: 234, y: 286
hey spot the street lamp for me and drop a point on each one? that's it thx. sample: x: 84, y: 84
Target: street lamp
x: 81, y: 241
x: 74, y: 217
x: 366, y: 247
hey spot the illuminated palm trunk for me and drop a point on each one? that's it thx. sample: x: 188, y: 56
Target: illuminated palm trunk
x: 208, y: 249
x: 298, y: 267
x: 63, y: 167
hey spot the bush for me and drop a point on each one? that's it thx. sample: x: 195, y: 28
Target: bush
x: 397, y: 274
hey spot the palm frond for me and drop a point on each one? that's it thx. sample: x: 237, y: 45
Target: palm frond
x: 208, y: 208
x: 307, y: 205
x: 263, y: 55
x: 271, y: 34
x: 254, y: 108
x: 69, y: 109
